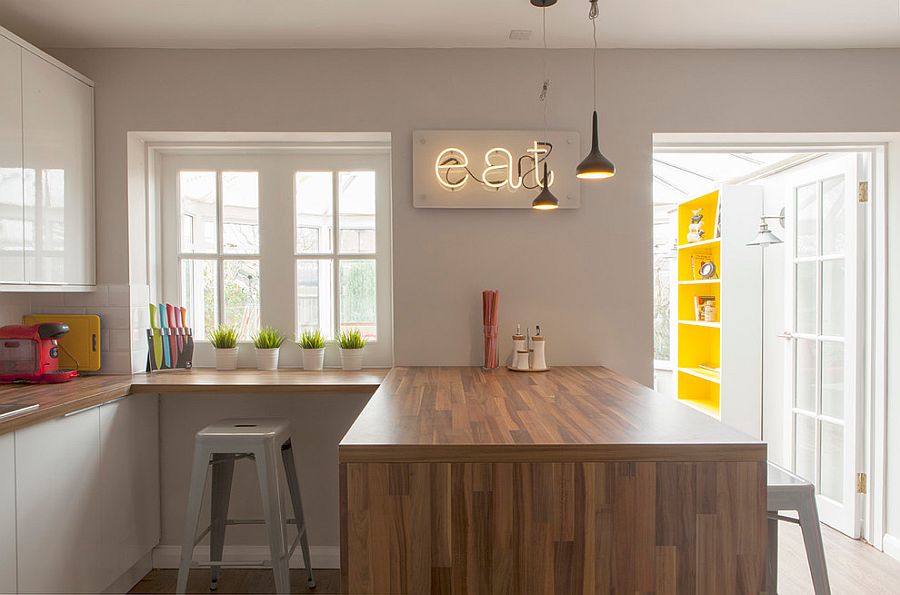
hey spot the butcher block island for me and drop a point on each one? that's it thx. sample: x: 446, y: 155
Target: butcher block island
x: 577, y: 480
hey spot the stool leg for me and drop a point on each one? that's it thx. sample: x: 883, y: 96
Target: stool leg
x: 192, y: 515
x: 270, y: 493
x: 290, y: 471
x: 222, y: 474
x: 812, y: 539
x: 772, y: 559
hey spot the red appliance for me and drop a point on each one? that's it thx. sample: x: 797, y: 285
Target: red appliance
x: 30, y: 353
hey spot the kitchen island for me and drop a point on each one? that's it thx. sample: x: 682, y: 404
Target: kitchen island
x: 577, y: 480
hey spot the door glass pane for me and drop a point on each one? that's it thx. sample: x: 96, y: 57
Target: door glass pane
x: 315, y: 298
x: 314, y: 204
x: 199, y: 283
x: 806, y: 298
x: 833, y: 379
x: 831, y: 484
x: 357, y: 211
x: 805, y: 447
x: 241, y: 286
x: 357, y: 278
x: 806, y: 375
x: 833, y: 227
x: 833, y: 297
x: 240, y: 212
x: 807, y: 209
x: 198, y: 208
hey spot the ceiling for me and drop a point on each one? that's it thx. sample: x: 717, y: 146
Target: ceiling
x: 451, y: 23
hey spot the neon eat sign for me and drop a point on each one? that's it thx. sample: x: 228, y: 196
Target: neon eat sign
x: 501, y: 169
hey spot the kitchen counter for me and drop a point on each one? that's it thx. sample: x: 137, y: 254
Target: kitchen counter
x: 56, y: 400
x: 579, y: 414
x: 574, y: 480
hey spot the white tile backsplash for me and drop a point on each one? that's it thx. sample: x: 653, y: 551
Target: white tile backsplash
x: 119, y: 296
x: 119, y: 340
x: 89, y: 299
x: 123, y: 312
x: 114, y: 318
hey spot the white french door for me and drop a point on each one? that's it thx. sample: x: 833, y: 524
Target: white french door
x: 825, y: 318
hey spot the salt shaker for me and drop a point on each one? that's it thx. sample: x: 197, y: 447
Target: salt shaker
x: 518, y: 345
x: 538, y: 359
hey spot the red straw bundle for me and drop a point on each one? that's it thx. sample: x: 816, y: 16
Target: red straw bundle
x: 490, y: 302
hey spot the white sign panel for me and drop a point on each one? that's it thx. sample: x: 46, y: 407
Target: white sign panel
x: 494, y: 169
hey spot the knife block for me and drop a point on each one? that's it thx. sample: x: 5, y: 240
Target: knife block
x: 183, y: 359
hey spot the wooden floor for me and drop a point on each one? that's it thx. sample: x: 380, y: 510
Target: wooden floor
x: 854, y: 568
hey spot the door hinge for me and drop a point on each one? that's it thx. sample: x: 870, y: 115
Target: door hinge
x: 860, y: 483
x: 862, y: 192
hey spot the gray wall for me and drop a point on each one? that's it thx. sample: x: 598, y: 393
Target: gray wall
x: 588, y: 279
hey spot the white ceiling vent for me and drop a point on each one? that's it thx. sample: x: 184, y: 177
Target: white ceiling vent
x: 520, y: 34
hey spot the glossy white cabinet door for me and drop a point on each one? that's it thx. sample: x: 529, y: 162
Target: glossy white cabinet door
x: 129, y: 475
x: 58, y: 511
x: 7, y: 514
x: 58, y: 152
x: 12, y: 215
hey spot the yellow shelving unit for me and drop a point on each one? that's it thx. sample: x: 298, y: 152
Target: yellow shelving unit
x: 699, y: 341
x: 716, y: 364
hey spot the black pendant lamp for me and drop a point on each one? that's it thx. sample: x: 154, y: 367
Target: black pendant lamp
x: 545, y: 201
x: 595, y: 166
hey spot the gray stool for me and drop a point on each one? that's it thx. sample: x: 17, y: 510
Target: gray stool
x: 219, y: 446
x: 786, y: 491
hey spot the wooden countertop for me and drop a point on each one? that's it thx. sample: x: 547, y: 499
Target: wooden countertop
x: 56, y: 400
x: 577, y: 413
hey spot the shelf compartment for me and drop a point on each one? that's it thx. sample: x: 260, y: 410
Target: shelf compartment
x: 703, y: 374
x: 698, y: 393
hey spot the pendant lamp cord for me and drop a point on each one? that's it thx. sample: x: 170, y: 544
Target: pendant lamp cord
x: 593, y: 13
x: 545, y: 86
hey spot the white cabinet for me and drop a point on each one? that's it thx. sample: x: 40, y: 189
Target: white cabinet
x: 58, y: 157
x: 7, y: 514
x: 129, y: 482
x: 12, y: 216
x: 58, y: 505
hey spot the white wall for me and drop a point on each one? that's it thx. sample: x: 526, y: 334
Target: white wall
x: 587, y: 279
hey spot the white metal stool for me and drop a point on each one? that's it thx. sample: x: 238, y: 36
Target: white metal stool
x: 219, y: 446
x: 787, y: 491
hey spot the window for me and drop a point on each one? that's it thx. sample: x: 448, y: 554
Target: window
x: 336, y: 208
x: 227, y: 243
x: 219, y: 252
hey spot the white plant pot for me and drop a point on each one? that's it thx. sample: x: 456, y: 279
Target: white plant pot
x: 313, y: 359
x: 226, y: 359
x: 351, y: 359
x: 267, y: 359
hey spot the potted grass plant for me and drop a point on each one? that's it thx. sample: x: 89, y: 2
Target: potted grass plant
x: 351, y: 343
x: 268, y: 344
x: 312, y: 346
x: 224, y: 339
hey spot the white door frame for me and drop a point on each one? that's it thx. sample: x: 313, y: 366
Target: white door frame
x: 885, y: 183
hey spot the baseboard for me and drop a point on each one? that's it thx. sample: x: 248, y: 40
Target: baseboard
x: 891, y: 546
x: 323, y: 556
x: 132, y: 576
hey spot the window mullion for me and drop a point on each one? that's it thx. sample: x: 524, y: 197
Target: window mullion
x: 220, y: 242
x: 335, y: 245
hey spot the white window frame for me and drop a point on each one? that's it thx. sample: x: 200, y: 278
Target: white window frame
x: 278, y: 237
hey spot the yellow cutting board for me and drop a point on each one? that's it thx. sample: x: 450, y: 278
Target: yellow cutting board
x: 80, y: 347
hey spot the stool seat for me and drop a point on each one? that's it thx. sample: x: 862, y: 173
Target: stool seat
x: 788, y: 491
x: 228, y: 432
x: 220, y: 445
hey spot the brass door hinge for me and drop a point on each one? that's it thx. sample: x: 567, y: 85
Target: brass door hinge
x: 862, y: 192
x: 860, y: 483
